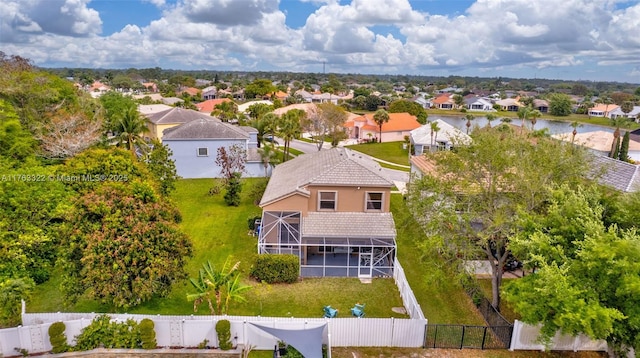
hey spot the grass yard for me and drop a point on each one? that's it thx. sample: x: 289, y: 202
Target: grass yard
x: 389, y: 151
x: 218, y: 231
x: 439, y: 294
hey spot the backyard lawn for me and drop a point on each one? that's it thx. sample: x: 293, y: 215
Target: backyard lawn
x: 218, y: 231
x: 388, y: 151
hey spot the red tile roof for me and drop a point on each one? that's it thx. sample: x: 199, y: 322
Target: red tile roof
x: 208, y: 105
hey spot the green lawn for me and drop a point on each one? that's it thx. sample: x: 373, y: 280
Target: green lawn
x: 218, y: 231
x: 389, y: 151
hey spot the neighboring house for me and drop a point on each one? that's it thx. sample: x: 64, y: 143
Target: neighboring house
x: 209, y: 105
x: 422, y: 101
x: 156, y: 97
x: 478, y: 104
x: 210, y: 92
x: 616, y: 174
x: 599, y: 142
x: 602, y: 110
x: 158, y: 122
x: 172, y: 101
x: 147, y: 109
x: 281, y: 95
x: 331, y: 209
x: 444, y: 139
x: 195, y: 147
x: 633, y: 115
x: 322, y: 97
x: 365, y: 127
x: 191, y: 91
x: 243, y: 108
x: 306, y: 107
x: 150, y: 86
x: 444, y: 101
x: 541, y: 105
x: 510, y: 104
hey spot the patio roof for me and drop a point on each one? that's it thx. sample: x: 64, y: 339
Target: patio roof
x: 348, y: 225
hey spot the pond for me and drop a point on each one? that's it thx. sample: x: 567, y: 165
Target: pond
x: 555, y: 127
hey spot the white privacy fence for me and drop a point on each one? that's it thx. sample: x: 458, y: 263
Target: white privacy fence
x: 408, y: 298
x: 190, y: 331
x: 525, y: 337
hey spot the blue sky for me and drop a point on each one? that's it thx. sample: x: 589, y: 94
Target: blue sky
x: 570, y: 39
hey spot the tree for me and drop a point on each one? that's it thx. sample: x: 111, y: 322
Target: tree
x: 458, y: 100
x: 226, y: 111
x: 490, y: 118
x: 231, y: 160
x: 123, y: 245
x: 469, y: 203
x: 326, y: 120
x: 16, y: 143
x: 434, y: 130
x: 129, y: 129
x: 534, y: 115
x: 268, y: 158
x: 624, y: 148
x: 380, y: 117
x: 162, y: 167
x: 289, y: 127
x: 617, y: 122
x: 469, y: 118
x: 259, y: 88
x: 626, y: 107
x: 587, y: 275
x: 559, y: 104
x: 67, y: 134
x: 413, y: 108
x: 266, y: 125
x: 233, y: 187
x: 12, y: 292
x: 574, y: 132
x: 523, y: 114
x: 257, y: 110
x: 211, y: 283
x: 372, y: 102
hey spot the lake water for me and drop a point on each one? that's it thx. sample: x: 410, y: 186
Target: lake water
x: 555, y: 127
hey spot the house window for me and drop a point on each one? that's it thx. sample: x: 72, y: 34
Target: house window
x: 374, y: 201
x: 203, y: 152
x: 327, y: 200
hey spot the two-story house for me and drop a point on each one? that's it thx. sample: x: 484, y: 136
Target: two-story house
x: 331, y: 209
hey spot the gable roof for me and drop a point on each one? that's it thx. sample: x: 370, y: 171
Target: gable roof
x: 616, y: 174
x: 176, y: 115
x: 597, y: 140
x: 204, y: 128
x: 348, y: 224
x: 336, y: 167
x: 447, y: 133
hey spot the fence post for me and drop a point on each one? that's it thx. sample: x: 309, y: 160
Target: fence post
x: 462, y: 337
x: 484, y: 336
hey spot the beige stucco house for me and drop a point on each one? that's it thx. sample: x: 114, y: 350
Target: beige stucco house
x: 331, y: 209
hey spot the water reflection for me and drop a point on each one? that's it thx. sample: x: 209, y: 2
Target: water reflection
x: 555, y: 127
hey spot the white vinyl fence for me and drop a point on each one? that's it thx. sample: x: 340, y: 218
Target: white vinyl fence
x: 189, y: 331
x: 408, y: 298
x: 525, y: 337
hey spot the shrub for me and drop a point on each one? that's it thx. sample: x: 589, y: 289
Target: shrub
x: 147, y: 334
x: 223, y: 329
x: 109, y: 334
x: 57, y: 338
x: 276, y: 268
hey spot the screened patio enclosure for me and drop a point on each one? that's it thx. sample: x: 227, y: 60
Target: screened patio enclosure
x: 332, y: 244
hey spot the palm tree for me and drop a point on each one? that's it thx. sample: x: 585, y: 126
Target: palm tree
x: 381, y: 117
x: 575, y: 126
x: 210, y: 282
x: 434, y: 129
x: 268, y: 157
x: 265, y: 126
x: 523, y: 113
x: 534, y: 115
x: 128, y: 130
x: 469, y: 118
x: 290, y: 128
x: 490, y: 118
